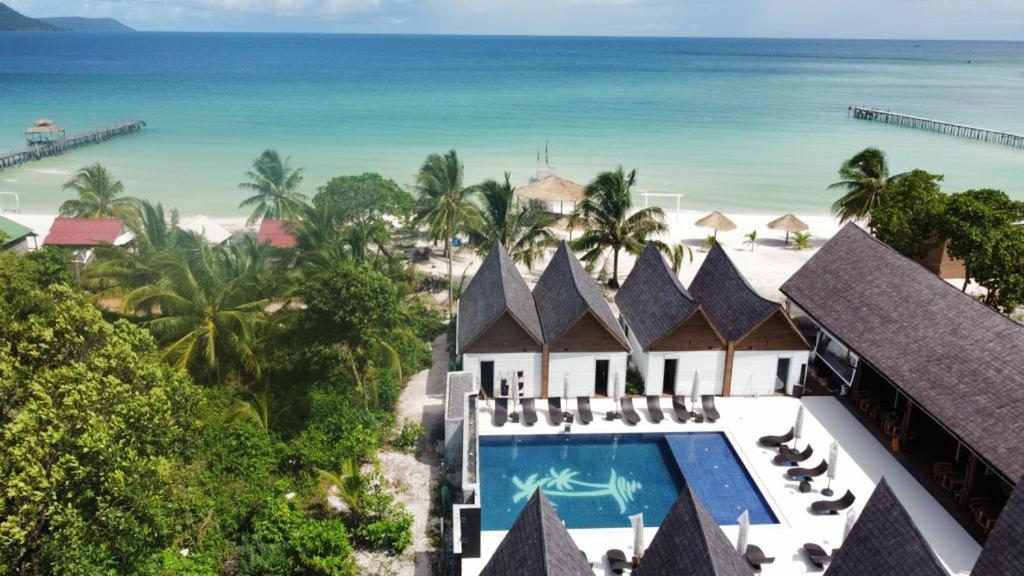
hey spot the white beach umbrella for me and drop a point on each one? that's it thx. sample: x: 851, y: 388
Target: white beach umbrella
x: 513, y: 393
x: 741, y: 541
x: 695, y: 392
x: 637, y: 521
x: 851, y: 519
x: 798, y: 426
x: 565, y: 386
x: 833, y: 458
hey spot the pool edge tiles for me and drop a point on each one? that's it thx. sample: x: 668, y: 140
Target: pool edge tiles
x: 596, y: 480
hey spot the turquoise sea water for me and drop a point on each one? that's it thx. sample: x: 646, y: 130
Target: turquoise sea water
x: 754, y: 125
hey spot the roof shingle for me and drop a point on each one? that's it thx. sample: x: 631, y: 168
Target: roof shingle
x: 83, y: 231
x: 277, y: 233
x: 496, y: 287
x: 731, y: 303
x: 959, y: 360
x: 652, y: 299
x: 1004, y: 550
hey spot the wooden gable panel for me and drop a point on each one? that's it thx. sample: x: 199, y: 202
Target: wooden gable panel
x: 587, y: 335
x: 695, y: 333
x: 504, y: 335
x: 775, y: 333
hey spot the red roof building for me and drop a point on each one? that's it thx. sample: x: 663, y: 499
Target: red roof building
x: 277, y: 233
x: 83, y: 232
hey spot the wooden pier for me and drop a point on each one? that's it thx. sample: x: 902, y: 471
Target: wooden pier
x: 961, y: 130
x: 38, y: 149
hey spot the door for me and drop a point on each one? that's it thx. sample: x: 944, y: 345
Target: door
x: 782, y: 373
x: 487, y: 378
x: 668, y: 383
x: 601, y: 378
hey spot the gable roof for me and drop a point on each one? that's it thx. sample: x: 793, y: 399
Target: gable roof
x: 210, y: 231
x: 539, y: 545
x: 11, y: 231
x: 83, y: 231
x: 885, y: 540
x: 1004, y: 550
x: 277, y: 233
x: 652, y: 299
x: 496, y: 288
x: 957, y: 359
x: 690, y: 542
x: 731, y: 303
x: 564, y: 292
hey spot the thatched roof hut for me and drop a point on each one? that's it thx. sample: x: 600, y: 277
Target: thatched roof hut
x: 789, y: 223
x: 716, y: 221
x: 553, y: 189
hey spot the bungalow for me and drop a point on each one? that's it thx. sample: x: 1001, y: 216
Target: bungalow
x: 498, y: 331
x: 15, y: 237
x: 672, y: 339
x: 277, y: 233
x: 765, y: 352
x: 212, y: 232
x: 585, y: 349
x: 82, y: 235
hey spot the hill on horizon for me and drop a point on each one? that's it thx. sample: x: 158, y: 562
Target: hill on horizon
x: 13, y: 21
x: 81, y: 24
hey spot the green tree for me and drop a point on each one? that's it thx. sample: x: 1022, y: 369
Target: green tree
x: 362, y: 198
x: 445, y: 205
x: 974, y: 221
x: 99, y: 195
x: 1001, y: 270
x: 93, y: 428
x: 801, y: 240
x: 274, y: 185
x: 605, y: 214
x: 909, y: 216
x: 678, y: 255
x: 751, y: 238
x: 522, y: 227
x: 863, y: 177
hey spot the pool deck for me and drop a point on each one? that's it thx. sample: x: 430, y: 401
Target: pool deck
x: 862, y: 463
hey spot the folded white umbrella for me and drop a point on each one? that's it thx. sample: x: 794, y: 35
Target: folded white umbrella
x: 851, y: 519
x: 637, y: 521
x: 741, y: 542
x: 798, y: 426
x: 695, y: 393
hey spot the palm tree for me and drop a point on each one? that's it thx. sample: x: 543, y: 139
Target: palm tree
x: 275, y: 188
x: 251, y: 406
x: 864, y: 177
x: 751, y: 238
x: 608, y: 224
x: 445, y: 206
x: 801, y: 240
x: 522, y: 227
x: 677, y: 255
x: 349, y: 482
x: 99, y: 195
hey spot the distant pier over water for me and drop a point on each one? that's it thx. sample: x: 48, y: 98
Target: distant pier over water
x: 961, y: 130
x: 46, y: 139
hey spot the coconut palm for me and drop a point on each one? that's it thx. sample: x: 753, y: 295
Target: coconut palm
x: 801, y: 240
x: 99, y: 195
x: 349, y: 482
x: 275, y: 188
x: 678, y: 255
x: 251, y: 406
x: 608, y: 224
x: 445, y: 205
x: 864, y: 177
x: 751, y: 239
x: 522, y: 227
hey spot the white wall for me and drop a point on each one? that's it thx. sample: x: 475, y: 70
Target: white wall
x: 753, y: 372
x: 508, y: 363
x: 637, y: 355
x: 707, y: 365
x: 580, y: 368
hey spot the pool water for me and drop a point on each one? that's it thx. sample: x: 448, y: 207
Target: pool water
x: 599, y: 480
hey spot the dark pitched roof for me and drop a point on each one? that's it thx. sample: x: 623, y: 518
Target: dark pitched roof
x: 690, y: 542
x: 957, y: 359
x: 728, y: 299
x: 1004, y: 550
x: 652, y: 299
x: 884, y: 540
x: 537, y: 545
x: 497, y: 287
x: 83, y: 231
x: 278, y: 233
x: 564, y: 292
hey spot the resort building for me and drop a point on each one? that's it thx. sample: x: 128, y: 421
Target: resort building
x: 765, y: 353
x: 1004, y: 550
x: 498, y: 332
x: 936, y: 375
x: 585, y: 349
x: 672, y: 339
x: 277, y: 233
x: 15, y: 237
x: 83, y: 235
x: 212, y: 232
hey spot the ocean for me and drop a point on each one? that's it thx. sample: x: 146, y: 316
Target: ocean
x: 742, y: 125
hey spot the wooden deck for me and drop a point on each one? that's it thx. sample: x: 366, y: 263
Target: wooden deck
x: 920, y: 123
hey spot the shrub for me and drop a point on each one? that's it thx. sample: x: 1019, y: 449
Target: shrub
x: 284, y: 541
x: 410, y: 436
x: 384, y: 523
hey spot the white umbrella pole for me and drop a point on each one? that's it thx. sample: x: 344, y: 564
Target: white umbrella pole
x: 851, y: 519
x: 833, y: 459
x: 741, y: 541
x: 798, y: 427
x: 695, y: 393
x: 637, y: 521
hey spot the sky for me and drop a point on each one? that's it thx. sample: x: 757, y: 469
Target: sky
x: 911, y: 19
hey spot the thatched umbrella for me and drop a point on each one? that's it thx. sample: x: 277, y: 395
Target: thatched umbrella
x: 716, y: 221
x: 789, y: 223
x: 553, y: 189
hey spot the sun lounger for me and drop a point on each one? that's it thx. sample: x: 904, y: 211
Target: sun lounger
x: 787, y: 456
x: 833, y: 506
x: 555, y: 411
x: 654, y: 409
x: 583, y: 407
x: 817, y: 555
x: 529, y: 411
x: 755, y: 556
x: 679, y: 406
x: 617, y: 560
x: 775, y: 441
x: 628, y: 413
x: 807, y: 473
x: 707, y: 403
x: 500, y: 411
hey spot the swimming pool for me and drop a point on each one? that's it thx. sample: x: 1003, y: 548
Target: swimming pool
x: 598, y: 480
